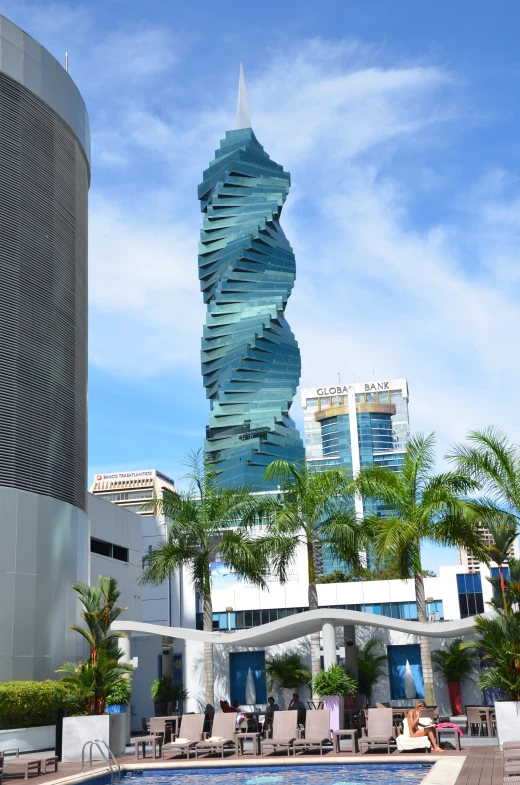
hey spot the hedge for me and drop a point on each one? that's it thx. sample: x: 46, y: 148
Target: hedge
x: 27, y: 704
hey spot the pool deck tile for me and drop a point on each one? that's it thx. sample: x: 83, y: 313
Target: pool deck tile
x: 470, y: 766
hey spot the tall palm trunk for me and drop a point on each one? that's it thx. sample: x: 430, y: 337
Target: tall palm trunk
x: 207, y: 625
x: 426, y: 658
x: 503, y: 587
x: 313, y: 605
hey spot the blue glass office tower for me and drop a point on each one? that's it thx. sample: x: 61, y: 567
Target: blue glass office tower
x: 250, y: 358
x: 356, y: 425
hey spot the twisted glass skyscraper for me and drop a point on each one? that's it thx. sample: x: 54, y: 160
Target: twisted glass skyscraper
x: 250, y: 358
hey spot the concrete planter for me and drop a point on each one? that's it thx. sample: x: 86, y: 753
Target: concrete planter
x: 508, y: 721
x: 335, y: 704
x: 29, y: 739
x: 78, y: 730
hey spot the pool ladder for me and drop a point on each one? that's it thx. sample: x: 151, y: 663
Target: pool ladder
x: 106, y: 757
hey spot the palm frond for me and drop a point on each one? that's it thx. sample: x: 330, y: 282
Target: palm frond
x: 494, y: 462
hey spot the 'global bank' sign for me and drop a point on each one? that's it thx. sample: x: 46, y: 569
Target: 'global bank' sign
x: 374, y: 387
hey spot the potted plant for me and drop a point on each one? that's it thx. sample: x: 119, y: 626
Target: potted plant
x: 455, y: 664
x: 498, y: 641
x: 98, y: 679
x: 119, y: 697
x: 370, y: 668
x: 164, y: 692
x: 331, y: 685
x: 286, y: 672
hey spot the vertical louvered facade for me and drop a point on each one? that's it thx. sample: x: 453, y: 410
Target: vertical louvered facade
x: 44, y: 177
x: 44, y: 529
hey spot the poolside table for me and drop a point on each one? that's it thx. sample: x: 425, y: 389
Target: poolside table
x: 156, y: 742
x: 453, y: 731
x: 348, y: 732
x: 240, y: 737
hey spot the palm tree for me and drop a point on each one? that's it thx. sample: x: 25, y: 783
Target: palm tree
x: 455, y: 663
x: 370, y: 667
x: 100, y: 609
x: 313, y: 510
x: 95, y: 679
x: 423, y: 507
x: 503, y: 530
x: 205, y: 524
x: 93, y: 683
x: 494, y: 462
x: 498, y: 639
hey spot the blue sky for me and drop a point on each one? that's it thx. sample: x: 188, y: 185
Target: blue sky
x: 399, y: 124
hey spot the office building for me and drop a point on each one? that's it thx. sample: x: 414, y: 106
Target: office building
x: 134, y: 490
x: 44, y: 182
x: 377, y: 435
x: 250, y: 358
x: 173, y: 602
x: 473, y: 564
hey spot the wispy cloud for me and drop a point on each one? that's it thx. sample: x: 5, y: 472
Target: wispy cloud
x: 404, y: 267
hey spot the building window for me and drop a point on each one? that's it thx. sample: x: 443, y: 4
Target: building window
x: 471, y: 600
x: 239, y: 620
x: 123, y: 496
x: 103, y: 548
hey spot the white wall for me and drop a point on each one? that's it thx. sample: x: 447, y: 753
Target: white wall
x: 118, y: 526
x: 44, y: 550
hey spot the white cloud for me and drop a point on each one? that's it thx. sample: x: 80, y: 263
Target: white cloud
x: 375, y: 289
x: 144, y: 296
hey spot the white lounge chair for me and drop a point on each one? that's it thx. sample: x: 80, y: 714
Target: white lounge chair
x: 407, y: 743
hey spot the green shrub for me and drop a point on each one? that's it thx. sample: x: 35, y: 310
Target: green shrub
x: 26, y: 704
x: 120, y: 694
x: 334, y: 681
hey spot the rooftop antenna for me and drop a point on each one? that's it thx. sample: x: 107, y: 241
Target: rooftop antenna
x: 67, y: 62
x: 339, y: 378
x: 243, y: 116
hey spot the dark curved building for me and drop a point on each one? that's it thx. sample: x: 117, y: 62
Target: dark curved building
x: 250, y: 358
x: 44, y: 181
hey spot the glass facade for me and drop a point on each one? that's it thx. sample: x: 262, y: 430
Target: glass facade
x: 381, y: 433
x: 250, y: 357
x: 239, y: 620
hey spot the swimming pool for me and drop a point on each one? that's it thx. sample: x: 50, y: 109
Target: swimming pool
x: 337, y: 774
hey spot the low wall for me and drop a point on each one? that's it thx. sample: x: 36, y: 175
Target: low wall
x: 27, y: 739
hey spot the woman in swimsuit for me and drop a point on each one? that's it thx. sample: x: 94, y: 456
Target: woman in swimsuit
x: 414, y: 715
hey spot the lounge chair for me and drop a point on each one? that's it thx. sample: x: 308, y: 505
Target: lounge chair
x: 14, y: 766
x: 380, y: 731
x: 223, y: 733
x: 46, y: 759
x: 407, y: 743
x: 317, y: 731
x: 190, y: 734
x: 284, y: 732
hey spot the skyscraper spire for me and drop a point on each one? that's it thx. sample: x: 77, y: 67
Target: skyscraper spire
x: 243, y: 117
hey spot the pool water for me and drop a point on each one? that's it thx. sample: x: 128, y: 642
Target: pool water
x: 356, y: 774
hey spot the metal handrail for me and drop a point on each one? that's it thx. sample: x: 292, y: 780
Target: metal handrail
x: 97, y: 743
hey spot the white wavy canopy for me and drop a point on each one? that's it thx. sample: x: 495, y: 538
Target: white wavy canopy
x: 301, y: 624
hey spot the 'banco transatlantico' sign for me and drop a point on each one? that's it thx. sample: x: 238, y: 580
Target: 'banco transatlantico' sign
x: 125, y: 475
